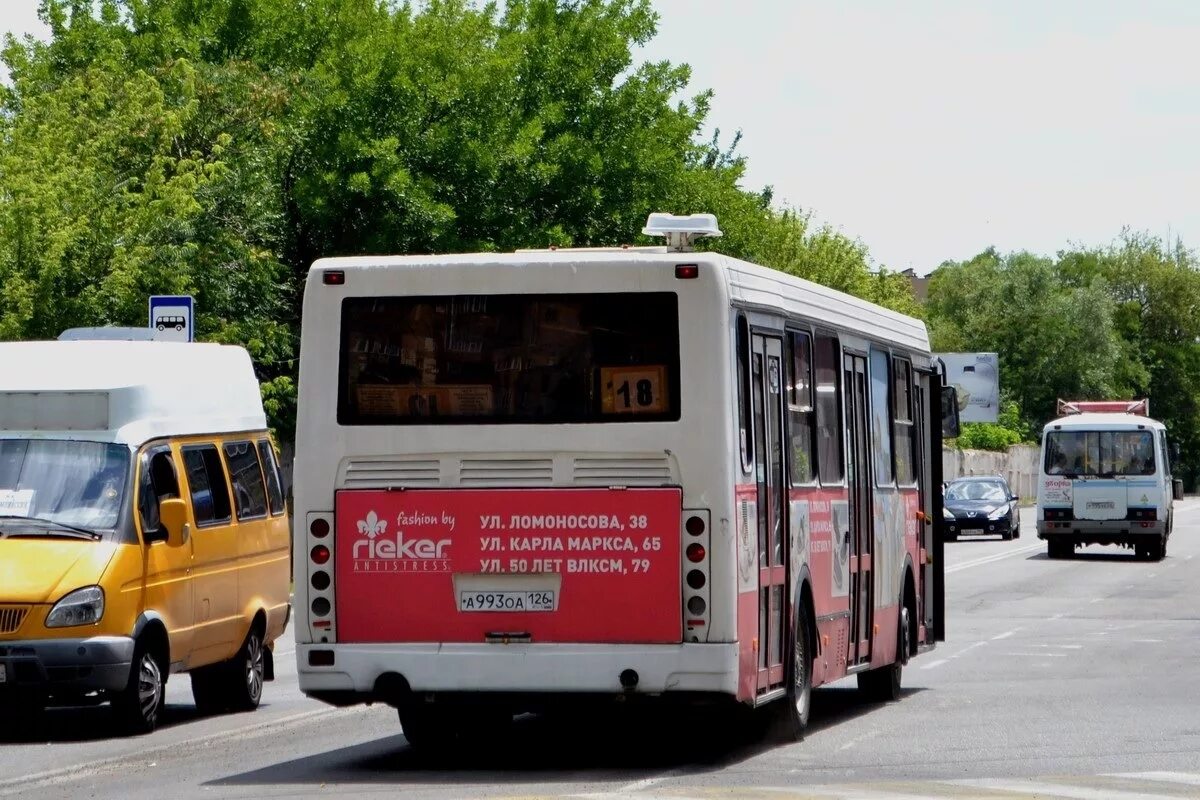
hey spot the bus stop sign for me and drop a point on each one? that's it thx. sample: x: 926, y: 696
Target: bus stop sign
x: 172, y: 317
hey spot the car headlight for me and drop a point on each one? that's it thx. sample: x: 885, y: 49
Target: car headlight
x: 998, y: 513
x: 81, y: 607
x: 946, y: 514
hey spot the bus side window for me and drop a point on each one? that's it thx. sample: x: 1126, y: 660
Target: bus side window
x: 902, y: 421
x: 247, y: 479
x: 829, y: 408
x: 208, y: 485
x: 743, y: 386
x: 800, y: 407
x: 881, y: 427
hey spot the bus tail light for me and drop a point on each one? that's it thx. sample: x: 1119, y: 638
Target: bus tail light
x: 695, y: 568
x: 319, y: 586
x: 333, y: 277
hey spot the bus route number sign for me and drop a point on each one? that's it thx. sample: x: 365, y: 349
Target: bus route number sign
x: 633, y: 390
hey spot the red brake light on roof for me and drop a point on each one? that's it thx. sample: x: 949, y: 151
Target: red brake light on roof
x: 685, y: 271
x: 333, y: 277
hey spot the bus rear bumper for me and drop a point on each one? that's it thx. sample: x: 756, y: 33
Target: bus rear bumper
x: 370, y: 672
x: 1101, y: 531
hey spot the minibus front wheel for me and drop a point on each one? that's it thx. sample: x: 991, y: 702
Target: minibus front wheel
x: 139, y: 704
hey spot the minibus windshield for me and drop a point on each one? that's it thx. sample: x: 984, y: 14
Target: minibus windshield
x: 1100, y: 453
x: 73, y: 483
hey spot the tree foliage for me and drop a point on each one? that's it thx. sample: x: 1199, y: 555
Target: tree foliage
x: 1120, y: 321
x: 218, y: 147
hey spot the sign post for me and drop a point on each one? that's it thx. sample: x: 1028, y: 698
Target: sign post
x: 172, y: 318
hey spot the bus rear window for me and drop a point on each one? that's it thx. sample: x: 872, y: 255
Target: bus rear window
x: 487, y: 359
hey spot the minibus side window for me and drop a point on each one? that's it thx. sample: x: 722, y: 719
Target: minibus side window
x: 158, y: 482
x: 247, y: 480
x: 206, y: 481
x: 271, y: 470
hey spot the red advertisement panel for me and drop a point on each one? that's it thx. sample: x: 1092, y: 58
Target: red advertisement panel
x: 556, y: 565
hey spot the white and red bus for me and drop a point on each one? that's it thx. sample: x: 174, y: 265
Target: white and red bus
x: 524, y: 478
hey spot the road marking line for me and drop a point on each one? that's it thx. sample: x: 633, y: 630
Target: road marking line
x: 933, y: 664
x: 1060, y: 646
x: 978, y: 562
x: 648, y: 783
x: 1188, y: 778
x: 1035, y: 655
x: 10, y: 786
x: 1004, y: 635
x: 1048, y: 789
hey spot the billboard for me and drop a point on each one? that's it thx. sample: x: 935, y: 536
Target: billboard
x: 976, y: 378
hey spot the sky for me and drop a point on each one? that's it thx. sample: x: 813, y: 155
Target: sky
x: 932, y: 130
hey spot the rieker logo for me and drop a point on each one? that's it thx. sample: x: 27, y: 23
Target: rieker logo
x: 404, y: 554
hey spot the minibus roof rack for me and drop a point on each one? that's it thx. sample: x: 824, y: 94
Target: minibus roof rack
x: 1138, y: 407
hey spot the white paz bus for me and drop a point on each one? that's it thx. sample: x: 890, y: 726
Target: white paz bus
x: 1106, y: 479
x: 534, y: 477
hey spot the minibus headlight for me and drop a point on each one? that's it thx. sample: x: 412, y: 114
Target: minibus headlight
x: 81, y: 607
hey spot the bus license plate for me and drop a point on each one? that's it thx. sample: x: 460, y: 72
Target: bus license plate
x: 506, y: 601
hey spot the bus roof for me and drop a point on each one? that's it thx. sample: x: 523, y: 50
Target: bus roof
x: 749, y: 284
x: 126, y: 391
x: 1087, y: 421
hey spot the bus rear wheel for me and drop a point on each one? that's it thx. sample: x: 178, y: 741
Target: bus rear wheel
x: 1060, y: 548
x: 435, y: 728
x: 1154, y: 550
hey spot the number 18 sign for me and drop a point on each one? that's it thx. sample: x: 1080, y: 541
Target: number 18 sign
x: 633, y: 390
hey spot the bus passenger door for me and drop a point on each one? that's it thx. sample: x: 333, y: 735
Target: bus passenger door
x: 767, y: 391
x: 860, y: 538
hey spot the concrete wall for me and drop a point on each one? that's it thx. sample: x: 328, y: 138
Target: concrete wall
x: 1019, y: 466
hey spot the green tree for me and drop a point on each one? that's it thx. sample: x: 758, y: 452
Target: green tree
x: 1156, y: 291
x: 1054, y: 338
x: 218, y: 147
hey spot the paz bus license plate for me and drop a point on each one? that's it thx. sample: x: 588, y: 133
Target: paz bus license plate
x: 506, y: 601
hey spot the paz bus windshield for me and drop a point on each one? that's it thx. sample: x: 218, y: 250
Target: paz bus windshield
x: 565, y: 358
x: 1100, y: 453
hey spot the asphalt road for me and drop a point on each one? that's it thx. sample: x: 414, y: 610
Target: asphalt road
x: 1071, y: 679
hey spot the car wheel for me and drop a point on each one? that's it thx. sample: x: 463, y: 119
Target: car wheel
x: 246, y: 674
x: 138, y: 705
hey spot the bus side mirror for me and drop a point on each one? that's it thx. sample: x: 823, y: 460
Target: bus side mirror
x: 950, y: 428
x: 1177, y: 489
x: 173, y: 514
